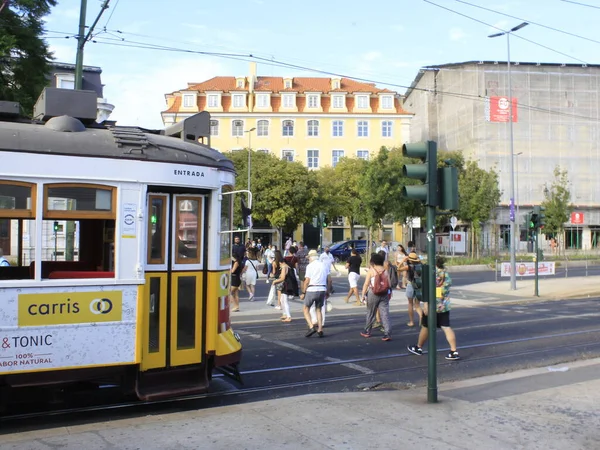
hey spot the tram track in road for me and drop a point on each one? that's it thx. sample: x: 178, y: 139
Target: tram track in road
x: 58, y: 417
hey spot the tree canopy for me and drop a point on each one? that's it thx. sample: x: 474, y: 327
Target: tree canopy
x: 557, y: 203
x: 24, y: 55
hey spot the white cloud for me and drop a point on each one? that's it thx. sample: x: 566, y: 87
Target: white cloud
x: 138, y: 95
x: 457, y: 34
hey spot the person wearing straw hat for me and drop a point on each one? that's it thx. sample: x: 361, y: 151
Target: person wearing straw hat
x: 313, y: 292
x: 413, y: 304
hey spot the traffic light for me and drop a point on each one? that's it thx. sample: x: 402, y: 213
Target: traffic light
x: 540, y: 217
x: 246, y: 215
x: 56, y: 226
x: 529, y: 221
x: 426, y: 172
x: 448, y: 188
x: 420, y: 285
x: 325, y: 222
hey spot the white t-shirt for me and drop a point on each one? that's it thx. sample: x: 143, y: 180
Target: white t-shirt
x: 385, y: 249
x: 327, y: 260
x: 270, y: 255
x: 318, y: 277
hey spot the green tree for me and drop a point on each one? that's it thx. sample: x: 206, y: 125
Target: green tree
x: 284, y: 193
x: 24, y: 55
x: 478, y: 196
x: 558, y: 204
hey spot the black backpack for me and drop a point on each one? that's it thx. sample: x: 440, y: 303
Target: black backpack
x: 290, y: 284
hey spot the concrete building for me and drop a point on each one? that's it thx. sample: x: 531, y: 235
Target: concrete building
x: 316, y: 121
x: 464, y: 106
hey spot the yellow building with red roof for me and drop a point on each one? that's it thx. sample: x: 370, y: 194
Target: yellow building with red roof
x: 316, y: 121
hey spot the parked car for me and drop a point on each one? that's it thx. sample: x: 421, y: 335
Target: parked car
x: 341, y: 250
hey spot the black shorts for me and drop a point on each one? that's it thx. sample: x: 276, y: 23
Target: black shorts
x: 443, y: 320
x: 236, y: 281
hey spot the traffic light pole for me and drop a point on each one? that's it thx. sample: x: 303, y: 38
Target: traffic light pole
x: 432, y: 390
x: 537, y: 254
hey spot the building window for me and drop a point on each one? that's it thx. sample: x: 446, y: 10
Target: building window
x: 338, y: 128
x: 262, y: 128
x: 362, y: 101
x: 65, y: 81
x: 237, y: 128
x: 336, y: 156
x: 387, y: 102
x: 338, y: 101
x: 188, y: 100
x: 336, y: 84
x: 313, y: 128
x: 313, y: 101
x: 313, y: 159
x: 288, y: 100
x: 214, y: 127
x: 240, y: 83
x: 386, y: 128
x: 287, y: 84
x: 263, y: 150
x: 363, y: 128
x: 262, y: 100
x: 238, y: 100
x: 213, y: 100
x: 287, y: 155
x: 288, y: 127
x: 362, y: 154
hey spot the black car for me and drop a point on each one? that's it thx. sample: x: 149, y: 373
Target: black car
x: 341, y: 250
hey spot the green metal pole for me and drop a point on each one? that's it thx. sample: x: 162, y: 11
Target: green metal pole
x: 80, y: 43
x: 432, y: 396
x: 537, y: 257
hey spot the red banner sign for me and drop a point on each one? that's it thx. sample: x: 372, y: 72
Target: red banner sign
x: 577, y: 218
x: 498, y: 109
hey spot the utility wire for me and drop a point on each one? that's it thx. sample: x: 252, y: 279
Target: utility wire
x: 111, y: 14
x: 497, y: 28
x: 581, y: 4
x: 529, y: 21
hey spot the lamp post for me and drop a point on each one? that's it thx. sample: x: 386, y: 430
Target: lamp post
x: 518, y: 217
x: 513, y: 264
x: 249, y: 162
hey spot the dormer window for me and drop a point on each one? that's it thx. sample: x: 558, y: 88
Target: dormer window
x: 335, y: 83
x: 362, y: 101
x: 238, y: 100
x: 338, y: 101
x: 287, y: 83
x: 387, y: 102
x: 262, y: 100
x: 188, y: 100
x: 313, y: 100
x: 213, y: 100
x: 239, y: 83
x: 65, y: 81
x: 288, y: 100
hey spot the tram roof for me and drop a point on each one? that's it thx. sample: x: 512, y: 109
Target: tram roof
x: 71, y: 138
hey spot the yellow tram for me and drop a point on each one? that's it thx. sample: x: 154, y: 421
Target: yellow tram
x: 117, y: 242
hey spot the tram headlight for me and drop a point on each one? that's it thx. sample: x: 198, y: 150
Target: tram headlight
x: 237, y: 336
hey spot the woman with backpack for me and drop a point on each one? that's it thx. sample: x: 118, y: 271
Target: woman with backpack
x: 376, y: 290
x: 281, y: 270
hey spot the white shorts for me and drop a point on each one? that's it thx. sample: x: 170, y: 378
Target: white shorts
x: 353, y: 278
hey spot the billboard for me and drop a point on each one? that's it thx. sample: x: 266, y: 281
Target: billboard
x: 497, y: 109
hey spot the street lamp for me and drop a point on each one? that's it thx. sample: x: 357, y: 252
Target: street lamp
x: 513, y: 263
x: 518, y: 218
x: 249, y: 164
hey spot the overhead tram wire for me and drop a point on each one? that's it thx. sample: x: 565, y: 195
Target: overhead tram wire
x: 498, y: 28
x: 581, y: 4
x: 122, y: 42
x: 530, y: 21
x: 111, y: 14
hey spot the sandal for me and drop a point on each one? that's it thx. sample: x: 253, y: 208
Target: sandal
x: 288, y: 319
x: 410, y: 324
x: 235, y: 310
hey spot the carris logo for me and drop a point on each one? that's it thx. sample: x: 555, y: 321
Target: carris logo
x: 101, y: 306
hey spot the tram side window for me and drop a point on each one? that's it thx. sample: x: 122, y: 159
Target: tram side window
x: 17, y: 229
x: 226, y: 225
x: 78, y: 232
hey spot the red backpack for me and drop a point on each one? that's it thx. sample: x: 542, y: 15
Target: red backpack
x: 381, y: 286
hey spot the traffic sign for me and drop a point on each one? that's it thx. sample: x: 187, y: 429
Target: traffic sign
x: 577, y: 218
x: 453, y: 222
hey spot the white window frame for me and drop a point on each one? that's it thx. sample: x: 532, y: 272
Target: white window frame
x: 387, y: 102
x: 263, y: 150
x: 362, y: 154
x: 362, y: 101
x: 312, y: 162
x: 313, y: 100
x: 288, y: 100
x: 65, y: 77
x: 286, y: 153
x: 390, y: 128
x: 262, y: 100
x: 313, y: 128
x: 262, y: 128
x: 336, y: 159
x: 336, y: 98
x: 214, y: 127
x: 188, y: 100
x: 238, y: 128
x: 238, y: 98
x: 362, y: 128
x: 283, y: 127
x: 340, y: 128
x: 287, y: 84
x: 213, y: 100
x: 240, y: 83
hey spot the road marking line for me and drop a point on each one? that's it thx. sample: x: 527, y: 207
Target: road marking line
x: 307, y: 351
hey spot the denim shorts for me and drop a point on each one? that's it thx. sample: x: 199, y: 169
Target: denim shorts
x: 410, y: 291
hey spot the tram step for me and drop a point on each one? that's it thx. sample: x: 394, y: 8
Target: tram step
x: 156, y: 385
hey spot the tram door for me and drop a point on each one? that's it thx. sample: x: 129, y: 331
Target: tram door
x: 172, y: 322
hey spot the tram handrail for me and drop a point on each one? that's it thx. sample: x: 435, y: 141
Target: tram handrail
x: 246, y: 191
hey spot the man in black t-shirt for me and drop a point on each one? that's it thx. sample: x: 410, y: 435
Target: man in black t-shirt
x: 238, y: 249
x: 353, y: 265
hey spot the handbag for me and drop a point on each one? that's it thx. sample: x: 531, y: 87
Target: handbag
x: 272, y: 295
x: 265, y: 269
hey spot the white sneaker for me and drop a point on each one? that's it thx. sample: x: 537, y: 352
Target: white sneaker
x: 278, y: 307
x: 267, y: 281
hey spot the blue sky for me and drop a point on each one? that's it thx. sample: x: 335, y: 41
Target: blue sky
x: 385, y: 40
